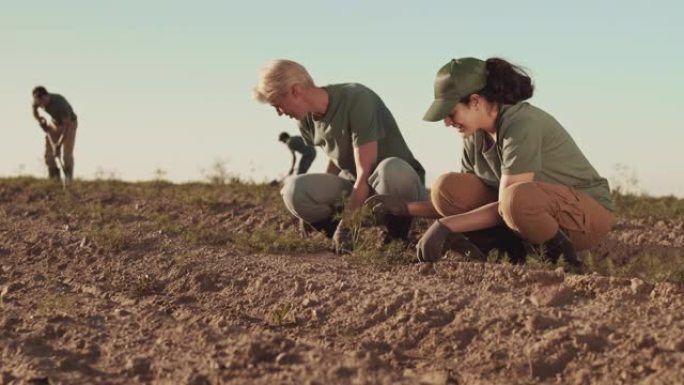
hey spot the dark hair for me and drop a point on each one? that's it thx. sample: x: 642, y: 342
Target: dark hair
x: 506, y: 83
x: 39, y: 91
x: 283, y: 136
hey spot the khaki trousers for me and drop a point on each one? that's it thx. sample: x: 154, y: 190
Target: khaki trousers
x: 68, y: 130
x: 314, y: 197
x: 535, y: 210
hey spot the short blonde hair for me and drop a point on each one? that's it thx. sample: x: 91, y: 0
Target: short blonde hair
x: 277, y: 77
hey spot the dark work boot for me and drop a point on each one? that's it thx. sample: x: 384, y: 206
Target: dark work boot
x: 559, y: 245
x: 53, y: 173
x: 500, y: 238
x: 326, y: 226
x: 397, y: 228
x: 460, y: 243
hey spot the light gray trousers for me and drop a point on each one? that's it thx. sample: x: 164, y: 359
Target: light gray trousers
x: 313, y: 197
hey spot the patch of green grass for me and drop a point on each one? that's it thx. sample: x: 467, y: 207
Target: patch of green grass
x: 273, y: 241
x: 654, y: 268
x: 168, y: 225
x: 204, y: 235
x: 112, y: 238
x: 634, y: 206
x: 394, y: 253
x: 182, y: 261
x: 196, y: 234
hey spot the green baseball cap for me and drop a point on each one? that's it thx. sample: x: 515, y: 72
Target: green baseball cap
x: 456, y: 80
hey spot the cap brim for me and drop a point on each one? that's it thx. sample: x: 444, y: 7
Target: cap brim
x: 439, y: 110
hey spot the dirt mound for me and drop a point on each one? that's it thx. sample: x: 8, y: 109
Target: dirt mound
x: 197, y: 284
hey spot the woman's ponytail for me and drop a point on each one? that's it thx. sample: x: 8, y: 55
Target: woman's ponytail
x: 506, y: 83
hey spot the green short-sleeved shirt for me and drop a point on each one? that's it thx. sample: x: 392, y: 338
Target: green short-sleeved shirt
x: 531, y: 140
x: 356, y: 115
x: 59, y: 108
x: 296, y: 143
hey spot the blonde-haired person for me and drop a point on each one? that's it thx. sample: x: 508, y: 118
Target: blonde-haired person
x: 367, y: 153
x: 521, y: 170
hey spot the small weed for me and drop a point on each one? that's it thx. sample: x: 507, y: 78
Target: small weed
x: 368, y: 247
x: 498, y: 256
x: 145, y: 284
x: 159, y: 175
x: 625, y: 179
x: 109, y: 280
x: 539, y: 260
x: 358, y: 221
x: 492, y: 257
x: 218, y: 174
x: 283, y: 315
x: 105, y: 175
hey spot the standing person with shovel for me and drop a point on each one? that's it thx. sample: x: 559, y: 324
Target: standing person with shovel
x: 60, y: 136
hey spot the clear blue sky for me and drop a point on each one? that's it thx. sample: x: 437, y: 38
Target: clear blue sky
x: 167, y: 84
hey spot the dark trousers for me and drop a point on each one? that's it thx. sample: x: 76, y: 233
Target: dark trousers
x: 305, y: 162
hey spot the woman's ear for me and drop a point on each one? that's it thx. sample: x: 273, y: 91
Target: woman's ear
x: 475, y: 101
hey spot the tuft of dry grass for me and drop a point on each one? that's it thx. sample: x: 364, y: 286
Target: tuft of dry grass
x: 632, y: 205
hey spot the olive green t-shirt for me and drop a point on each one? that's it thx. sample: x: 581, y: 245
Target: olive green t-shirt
x: 531, y: 140
x: 59, y: 108
x: 356, y: 115
x: 296, y: 143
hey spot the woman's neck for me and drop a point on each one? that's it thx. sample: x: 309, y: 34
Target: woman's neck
x: 489, y: 123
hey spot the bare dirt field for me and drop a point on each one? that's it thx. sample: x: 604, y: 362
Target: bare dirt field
x: 121, y: 283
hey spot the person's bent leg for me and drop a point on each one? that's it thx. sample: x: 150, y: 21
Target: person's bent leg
x: 53, y: 169
x: 316, y: 198
x: 456, y: 193
x: 395, y: 177
x: 68, y: 144
x: 305, y: 163
x: 557, y: 217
